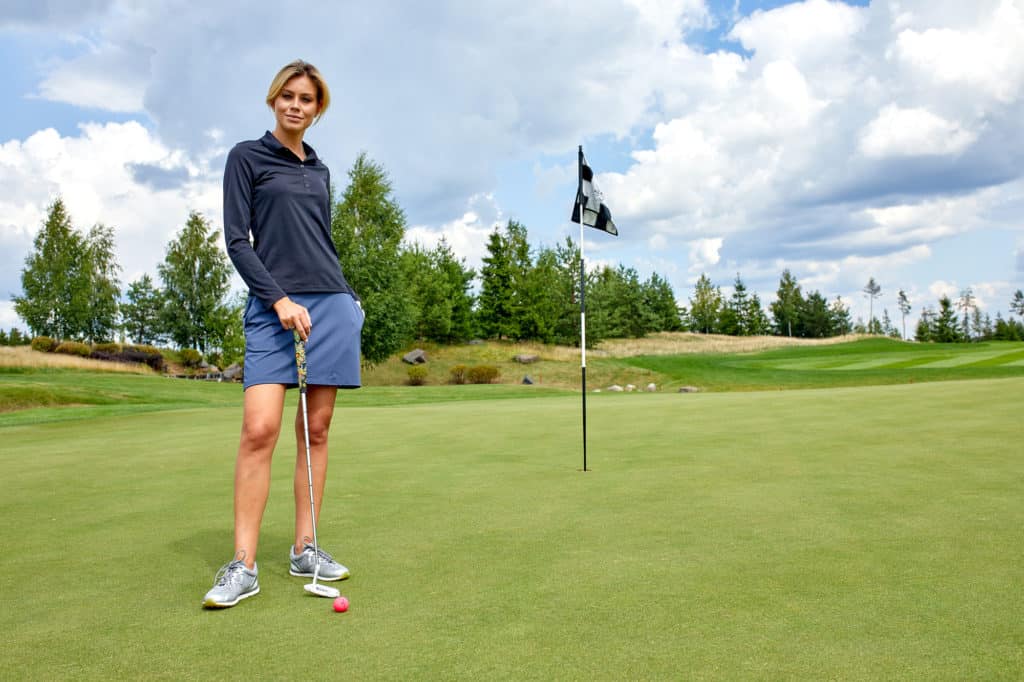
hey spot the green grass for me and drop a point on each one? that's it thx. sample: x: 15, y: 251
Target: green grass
x: 869, y: 362
x: 850, y: 533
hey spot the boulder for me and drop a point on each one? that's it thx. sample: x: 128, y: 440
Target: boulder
x: 527, y: 380
x: 524, y: 359
x: 651, y: 388
x: 476, y: 342
x: 233, y: 373
x: 630, y: 388
x: 415, y: 357
x: 689, y: 389
x: 615, y: 388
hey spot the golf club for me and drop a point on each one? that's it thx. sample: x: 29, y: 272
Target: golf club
x: 300, y: 361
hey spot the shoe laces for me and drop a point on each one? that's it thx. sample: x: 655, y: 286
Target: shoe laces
x: 230, y: 571
x: 323, y: 556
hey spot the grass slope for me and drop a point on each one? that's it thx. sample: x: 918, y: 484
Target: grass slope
x: 854, y: 533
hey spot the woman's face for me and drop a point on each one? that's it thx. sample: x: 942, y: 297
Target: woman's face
x: 296, y: 106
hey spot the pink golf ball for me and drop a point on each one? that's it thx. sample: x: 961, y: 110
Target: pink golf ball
x: 341, y: 604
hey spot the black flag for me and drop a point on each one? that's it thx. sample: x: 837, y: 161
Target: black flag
x: 595, y: 213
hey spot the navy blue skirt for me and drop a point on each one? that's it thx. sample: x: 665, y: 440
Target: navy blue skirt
x: 332, y: 350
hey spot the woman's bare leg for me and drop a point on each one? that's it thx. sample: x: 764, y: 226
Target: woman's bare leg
x: 261, y: 425
x: 320, y: 407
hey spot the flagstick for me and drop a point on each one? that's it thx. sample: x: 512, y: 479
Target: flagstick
x: 583, y: 309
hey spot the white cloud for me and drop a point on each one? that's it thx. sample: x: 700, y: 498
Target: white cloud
x: 111, y: 77
x: 913, y: 132
x: 704, y: 253
x: 99, y: 186
x: 987, y: 57
x: 467, y: 235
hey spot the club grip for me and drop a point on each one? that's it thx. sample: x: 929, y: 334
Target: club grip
x: 300, y: 360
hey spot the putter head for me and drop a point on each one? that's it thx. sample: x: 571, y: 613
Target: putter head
x: 322, y: 590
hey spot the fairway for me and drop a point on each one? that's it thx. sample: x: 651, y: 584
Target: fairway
x: 847, y: 533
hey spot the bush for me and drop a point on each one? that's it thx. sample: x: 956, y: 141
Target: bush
x: 417, y: 375
x: 44, y: 344
x: 109, y: 348
x: 191, y: 358
x: 457, y: 375
x: 146, y: 354
x: 483, y: 374
x: 74, y: 348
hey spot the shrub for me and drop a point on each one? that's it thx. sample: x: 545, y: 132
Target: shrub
x: 417, y: 375
x: 109, y: 348
x: 147, y: 355
x: 191, y: 358
x: 483, y: 374
x: 457, y: 375
x: 74, y: 348
x: 44, y: 344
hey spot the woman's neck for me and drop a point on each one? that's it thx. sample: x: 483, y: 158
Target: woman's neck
x: 291, y: 141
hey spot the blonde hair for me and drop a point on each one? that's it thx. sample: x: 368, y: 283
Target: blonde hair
x: 300, y: 68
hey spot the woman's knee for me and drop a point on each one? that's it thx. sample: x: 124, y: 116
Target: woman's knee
x: 260, y: 433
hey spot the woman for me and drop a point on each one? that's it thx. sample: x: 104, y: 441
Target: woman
x: 278, y: 191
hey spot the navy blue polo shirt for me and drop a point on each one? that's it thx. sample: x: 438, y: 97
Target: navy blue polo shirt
x: 284, y: 203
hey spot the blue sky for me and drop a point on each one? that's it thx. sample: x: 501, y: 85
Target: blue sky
x: 840, y: 140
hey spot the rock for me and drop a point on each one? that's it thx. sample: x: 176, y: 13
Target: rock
x: 630, y: 388
x: 212, y: 369
x: 689, y: 389
x: 233, y: 373
x: 527, y: 380
x: 526, y: 359
x: 616, y: 388
x: 476, y: 342
x: 415, y: 357
x: 651, y: 388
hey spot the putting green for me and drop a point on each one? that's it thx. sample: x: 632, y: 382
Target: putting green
x: 854, y: 533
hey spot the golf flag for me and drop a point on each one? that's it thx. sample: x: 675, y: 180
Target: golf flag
x: 595, y: 213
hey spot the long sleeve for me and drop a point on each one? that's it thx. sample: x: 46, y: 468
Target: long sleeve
x: 238, y: 213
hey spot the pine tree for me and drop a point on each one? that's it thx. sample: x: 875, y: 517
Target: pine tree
x: 944, y: 327
x: 497, y: 290
x: 904, y: 305
x: 841, y: 322
x: 872, y: 290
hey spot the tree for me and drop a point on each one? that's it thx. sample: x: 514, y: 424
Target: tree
x: 495, y: 313
x: 966, y: 303
x: 904, y: 305
x: 925, y: 326
x: 734, y: 316
x: 430, y: 294
x: 661, y: 302
x: 815, y: 317
x: 705, y: 306
x: 873, y: 291
x: 842, y: 324
x: 49, y: 278
x: 368, y: 227
x: 787, y: 304
x: 140, y: 313
x: 1017, y: 303
x: 944, y: 327
x: 460, y: 283
x: 757, y: 321
x: 195, y: 274
x: 100, y: 285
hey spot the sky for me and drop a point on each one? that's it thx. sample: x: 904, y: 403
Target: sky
x: 839, y: 140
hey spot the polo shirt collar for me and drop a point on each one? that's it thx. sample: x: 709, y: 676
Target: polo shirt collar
x: 274, y: 145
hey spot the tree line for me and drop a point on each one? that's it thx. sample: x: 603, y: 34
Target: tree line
x: 71, y: 290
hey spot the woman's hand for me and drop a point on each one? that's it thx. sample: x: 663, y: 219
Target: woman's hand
x: 293, y: 316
